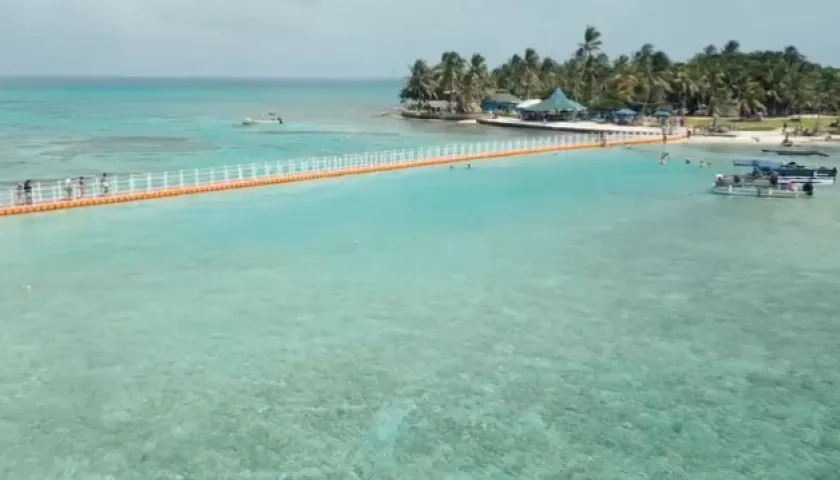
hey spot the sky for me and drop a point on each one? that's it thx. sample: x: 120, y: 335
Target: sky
x: 377, y: 38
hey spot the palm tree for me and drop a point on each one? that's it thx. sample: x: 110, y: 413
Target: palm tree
x: 528, y: 74
x: 420, y: 85
x: 724, y: 79
x: 449, y: 74
x: 588, y: 50
x: 650, y: 73
x: 476, y: 83
x: 683, y: 84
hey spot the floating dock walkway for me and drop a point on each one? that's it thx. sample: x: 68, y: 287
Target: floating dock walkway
x: 46, y: 197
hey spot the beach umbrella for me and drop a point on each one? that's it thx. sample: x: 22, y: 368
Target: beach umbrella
x: 625, y: 112
x: 662, y: 113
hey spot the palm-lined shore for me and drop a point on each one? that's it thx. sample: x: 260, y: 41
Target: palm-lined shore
x: 716, y: 82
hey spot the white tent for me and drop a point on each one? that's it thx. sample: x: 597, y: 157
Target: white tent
x: 528, y: 103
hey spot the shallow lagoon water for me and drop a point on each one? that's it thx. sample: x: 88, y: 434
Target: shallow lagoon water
x: 588, y: 315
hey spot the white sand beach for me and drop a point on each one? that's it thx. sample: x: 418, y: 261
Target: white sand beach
x: 770, y: 139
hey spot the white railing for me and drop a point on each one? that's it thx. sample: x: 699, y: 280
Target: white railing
x: 96, y: 186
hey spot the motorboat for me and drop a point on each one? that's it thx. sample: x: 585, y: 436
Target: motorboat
x: 760, y: 187
x: 796, y: 153
x: 790, y: 172
x: 272, y: 118
x: 752, y: 190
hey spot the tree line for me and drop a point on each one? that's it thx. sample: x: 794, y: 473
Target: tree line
x: 716, y: 81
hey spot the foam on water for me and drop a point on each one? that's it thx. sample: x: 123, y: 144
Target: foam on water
x: 582, y: 315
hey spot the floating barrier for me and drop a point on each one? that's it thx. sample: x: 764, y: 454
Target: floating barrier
x: 46, y: 197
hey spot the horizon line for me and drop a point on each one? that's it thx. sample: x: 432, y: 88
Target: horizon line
x: 191, y: 77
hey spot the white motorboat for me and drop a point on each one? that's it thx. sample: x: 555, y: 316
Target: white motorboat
x: 753, y: 190
x: 751, y: 186
x: 790, y: 172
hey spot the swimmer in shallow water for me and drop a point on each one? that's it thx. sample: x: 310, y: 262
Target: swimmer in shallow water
x: 469, y: 165
x: 663, y: 158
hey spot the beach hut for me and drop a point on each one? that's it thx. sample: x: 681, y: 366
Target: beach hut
x: 500, y: 101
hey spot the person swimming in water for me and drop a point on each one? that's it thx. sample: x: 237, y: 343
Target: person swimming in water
x: 663, y: 158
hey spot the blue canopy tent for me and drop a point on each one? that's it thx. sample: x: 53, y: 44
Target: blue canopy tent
x: 662, y: 114
x: 578, y: 107
x: 625, y: 112
x: 556, y: 102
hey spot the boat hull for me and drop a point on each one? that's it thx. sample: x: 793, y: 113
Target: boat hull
x: 812, y: 180
x: 757, y: 191
x: 797, y: 153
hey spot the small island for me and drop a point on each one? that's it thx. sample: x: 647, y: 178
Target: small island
x: 717, y: 89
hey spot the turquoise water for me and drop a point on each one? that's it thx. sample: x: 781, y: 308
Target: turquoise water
x: 588, y: 315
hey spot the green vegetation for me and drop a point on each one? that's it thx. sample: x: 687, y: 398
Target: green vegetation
x: 715, y: 82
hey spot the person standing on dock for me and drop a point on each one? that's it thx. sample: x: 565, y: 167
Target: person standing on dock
x: 81, y: 187
x: 103, y: 184
x: 68, y: 189
x: 27, y: 192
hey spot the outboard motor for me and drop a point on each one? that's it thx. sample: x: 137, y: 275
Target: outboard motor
x: 808, y: 188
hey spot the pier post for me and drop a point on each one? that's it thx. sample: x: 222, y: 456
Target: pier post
x: 253, y: 171
x: 239, y: 171
x: 181, y: 178
x: 165, y: 180
x: 131, y: 183
x: 148, y: 182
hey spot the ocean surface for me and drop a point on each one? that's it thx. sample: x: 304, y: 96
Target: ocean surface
x: 585, y: 315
